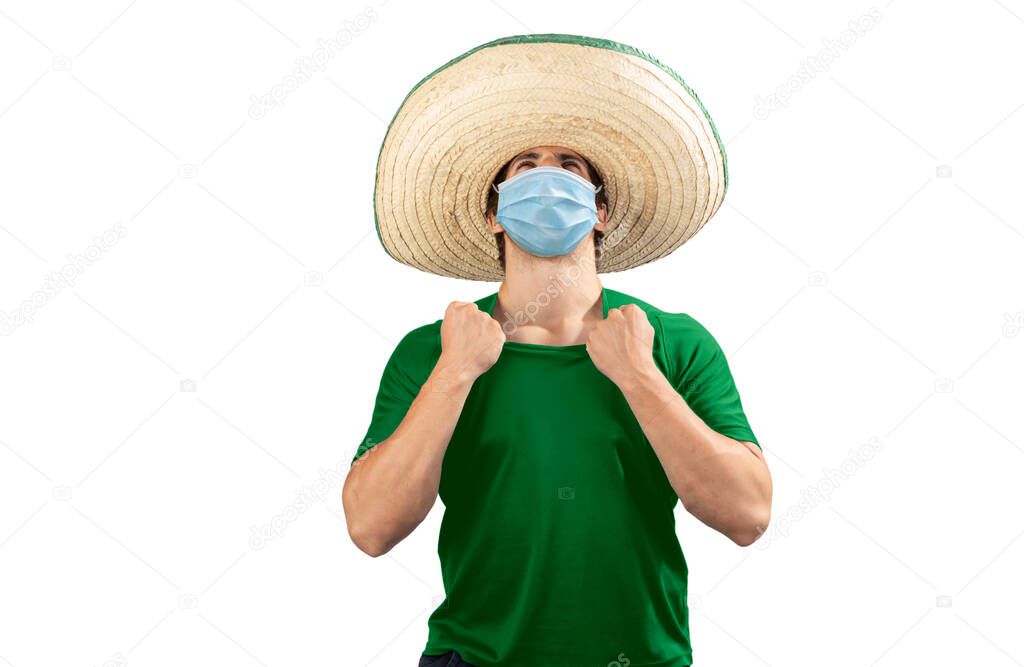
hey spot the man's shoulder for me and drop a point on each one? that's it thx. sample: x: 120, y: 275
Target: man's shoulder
x: 424, y: 341
x: 671, y: 322
x: 421, y: 339
x: 682, y: 344
x: 418, y: 351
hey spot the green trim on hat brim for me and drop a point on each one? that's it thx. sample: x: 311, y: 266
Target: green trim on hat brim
x: 549, y: 38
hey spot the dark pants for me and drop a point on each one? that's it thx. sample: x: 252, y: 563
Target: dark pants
x: 449, y: 659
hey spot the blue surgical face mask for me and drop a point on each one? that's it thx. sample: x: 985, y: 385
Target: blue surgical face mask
x: 547, y: 210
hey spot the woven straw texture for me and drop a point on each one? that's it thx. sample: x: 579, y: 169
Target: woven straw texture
x: 644, y: 130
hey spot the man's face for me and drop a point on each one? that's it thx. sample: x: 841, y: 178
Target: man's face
x: 551, y: 156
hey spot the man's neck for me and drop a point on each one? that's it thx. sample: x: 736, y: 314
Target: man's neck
x: 549, y: 302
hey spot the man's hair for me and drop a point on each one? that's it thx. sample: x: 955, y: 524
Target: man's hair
x: 492, y: 206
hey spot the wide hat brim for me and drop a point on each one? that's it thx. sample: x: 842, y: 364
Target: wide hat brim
x: 641, y: 127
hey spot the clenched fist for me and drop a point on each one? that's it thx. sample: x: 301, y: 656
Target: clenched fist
x: 622, y: 345
x: 471, y: 340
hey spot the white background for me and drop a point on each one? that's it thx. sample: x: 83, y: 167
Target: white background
x: 864, y: 278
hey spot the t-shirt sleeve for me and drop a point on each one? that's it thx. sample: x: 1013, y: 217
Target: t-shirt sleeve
x: 697, y: 368
x: 404, y: 373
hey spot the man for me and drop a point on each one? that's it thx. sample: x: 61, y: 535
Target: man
x: 559, y: 421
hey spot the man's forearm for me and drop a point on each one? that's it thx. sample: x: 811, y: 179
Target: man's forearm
x: 392, y: 487
x: 723, y: 482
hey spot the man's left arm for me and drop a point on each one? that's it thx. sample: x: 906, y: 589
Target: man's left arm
x: 722, y: 481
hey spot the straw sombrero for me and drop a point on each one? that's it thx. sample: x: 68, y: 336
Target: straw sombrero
x: 641, y: 127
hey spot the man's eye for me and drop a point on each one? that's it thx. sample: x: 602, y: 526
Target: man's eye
x: 524, y: 163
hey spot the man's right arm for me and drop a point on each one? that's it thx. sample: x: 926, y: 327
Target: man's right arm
x: 392, y: 487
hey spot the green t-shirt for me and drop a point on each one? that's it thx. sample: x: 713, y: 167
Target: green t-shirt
x: 558, y: 545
